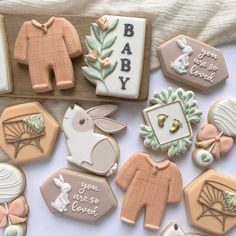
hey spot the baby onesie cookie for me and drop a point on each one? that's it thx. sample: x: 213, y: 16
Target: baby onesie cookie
x: 32, y: 48
x: 192, y: 62
x: 78, y: 195
x: 6, y: 74
x: 169, y: 120
x: 27, y: 132
x: 115, y: 55
x: 148, y: 184
x: 173, y: 229
x: 89, y: 148
x: 216, y: 138
x: 13, y: 205
x: 210, y: 202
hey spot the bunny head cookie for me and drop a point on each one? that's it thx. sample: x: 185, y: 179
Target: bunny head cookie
x: 89, y: 148
x: 169, y: 120
x: 191, y: 62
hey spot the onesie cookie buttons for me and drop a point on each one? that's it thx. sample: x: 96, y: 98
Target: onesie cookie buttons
x: 148, y: 184
x: 48, y: 47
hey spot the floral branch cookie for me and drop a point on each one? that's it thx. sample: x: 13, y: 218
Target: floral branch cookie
x: 216, y: 138
x: 169, y: 120
x: 115, y: 55
x: 13, y: 205
x: 90, y: 149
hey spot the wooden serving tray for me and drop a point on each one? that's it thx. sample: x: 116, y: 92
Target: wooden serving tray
x: 83, y: 90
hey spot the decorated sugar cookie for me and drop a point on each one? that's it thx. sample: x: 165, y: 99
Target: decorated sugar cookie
x: 115, y: 55
x: 150, y: 185
x: 27, y: 132
x: 216, y: 138
x: 169, y: 120
x: 89, y: 148
x: 192, y: 62
x: 6, y: 74
x: 78, y: 195
x: 13, y: 205
x: 211, y: 202
x: 173, y: 229
x: 32, y: 48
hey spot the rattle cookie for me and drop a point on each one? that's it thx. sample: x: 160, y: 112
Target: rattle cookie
x: 210, y: 202
x: 168, y: 121
x: 27, y: 132
x: 13, y: 205
x: 78, y: 195
x: 216, y: 138
x: 116, y: 55
x: 89, y: 144
x: 48, y: 47
x: 173, y: 229
x: 192, y: 62
x: 148, y: 184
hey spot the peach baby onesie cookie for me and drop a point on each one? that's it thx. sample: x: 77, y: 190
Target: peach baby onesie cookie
x: 169, y: 120
x: 5, y: 64
x: 13, y: 205
x: 211, y: 202
x: 216, y: 138
x: 48, y: 47
x: 78, y: 195
x: 148, y: 184
x: 89, y: 148
x: 27, y: 132
x: 115, y: 55
x: 192, y: 62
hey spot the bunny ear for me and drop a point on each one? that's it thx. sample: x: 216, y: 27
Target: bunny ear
x: 61, y: 178
x: 180, y: 43
x: 102, y: 110
x: 184, y: 41
x: 57, y: 182
x: 108, y: 125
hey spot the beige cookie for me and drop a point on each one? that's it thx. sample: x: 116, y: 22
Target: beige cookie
x: 27, y: 132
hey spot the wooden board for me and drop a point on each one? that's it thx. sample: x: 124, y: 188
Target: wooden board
x: 83, y: 90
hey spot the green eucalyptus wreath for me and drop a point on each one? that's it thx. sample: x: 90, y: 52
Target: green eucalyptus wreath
x: 192, y: 114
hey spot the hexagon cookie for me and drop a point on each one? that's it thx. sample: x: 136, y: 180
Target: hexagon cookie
x: 192, y: 62
x: 27, y: 132
x: 210, y: 202
x: 78, y: 195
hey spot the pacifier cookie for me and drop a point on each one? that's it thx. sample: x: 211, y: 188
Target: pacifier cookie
x: 192, y: 62
x: 215, y: 139
x: 210, y: 202
x: 27, y: 132
x: 116, y: 55
x: 168, y: 121
x: 150, y: 185
x: 13, y: 205
x: 78, y: 195
x: 92, y: 149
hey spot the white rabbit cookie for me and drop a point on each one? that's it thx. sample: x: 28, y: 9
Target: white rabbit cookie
x: 192, y: 62
x: 95, y: 152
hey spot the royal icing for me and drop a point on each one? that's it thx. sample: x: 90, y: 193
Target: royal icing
x: 115, y: 55
x: 192, y: 62
x: 93, y: 151
x: 78, y: 195
x: 169, y: 120
x: 14, y: 230
x: 5, y: 65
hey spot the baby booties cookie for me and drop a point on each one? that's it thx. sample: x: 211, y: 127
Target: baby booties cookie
x: 46, y: 47
x: 89, y: 149
x: 148, y: 184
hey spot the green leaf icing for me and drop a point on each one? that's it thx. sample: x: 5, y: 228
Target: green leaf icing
x: 101, y: 42
x: 35, y: 122
x: 192, y: 114
x: 230, y: 199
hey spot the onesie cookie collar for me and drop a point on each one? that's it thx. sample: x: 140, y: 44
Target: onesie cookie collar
x: 159, y: 165
x: 44, y: 26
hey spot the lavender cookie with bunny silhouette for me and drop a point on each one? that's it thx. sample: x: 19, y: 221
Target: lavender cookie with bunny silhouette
x: 88, y: 138
x: 192, y: 62
x: 78, y: 195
